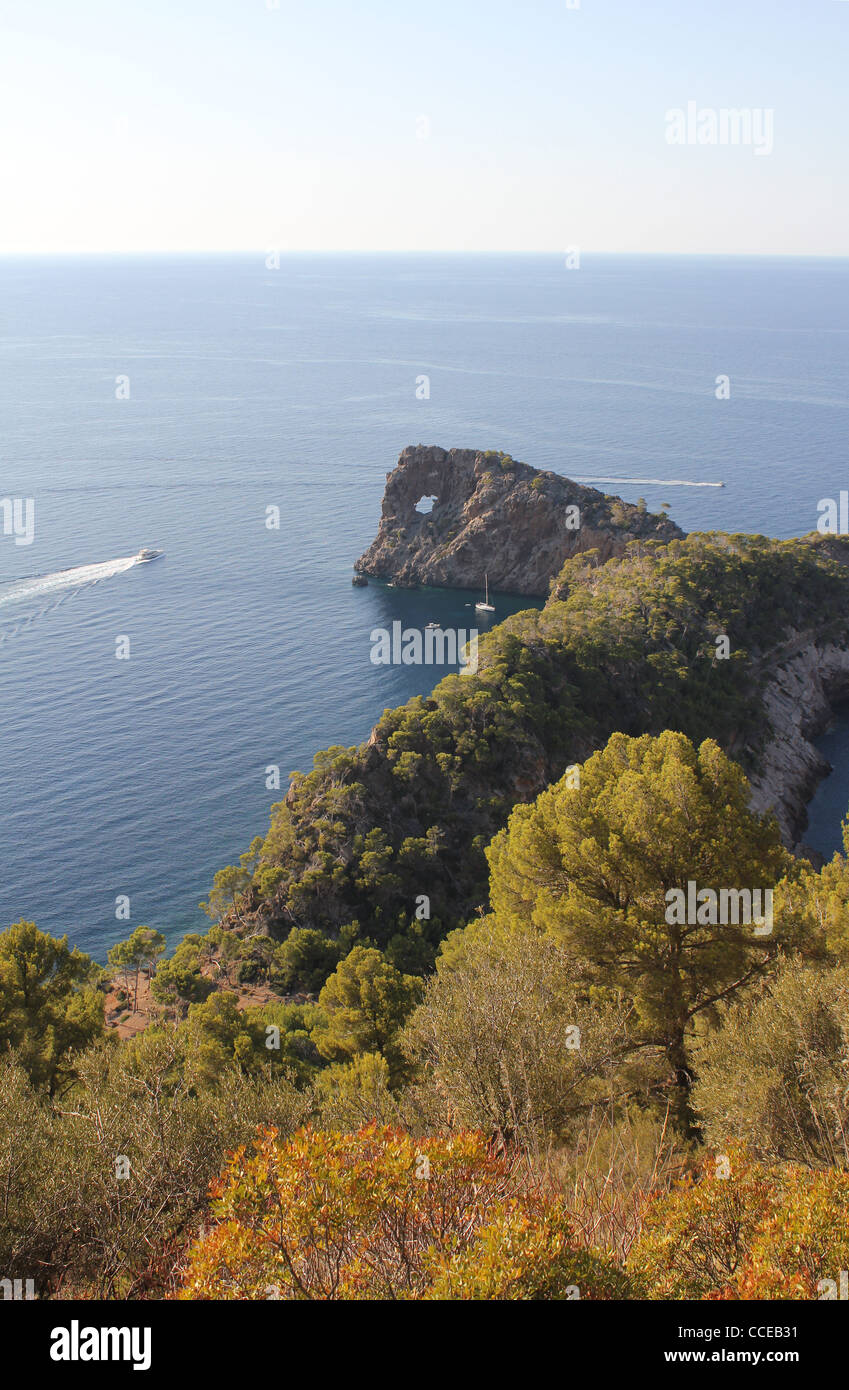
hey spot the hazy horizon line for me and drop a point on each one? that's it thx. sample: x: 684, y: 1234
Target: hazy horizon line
x: 426, y: 251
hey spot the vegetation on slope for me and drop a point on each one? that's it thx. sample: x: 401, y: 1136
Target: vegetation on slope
x: 573, y: 1049
x: 628, y: 646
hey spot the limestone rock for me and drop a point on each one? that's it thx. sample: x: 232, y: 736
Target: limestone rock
x: 798, y: 700
x: 495, y: 516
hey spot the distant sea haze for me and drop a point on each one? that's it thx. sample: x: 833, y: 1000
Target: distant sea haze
x: 169, y: 403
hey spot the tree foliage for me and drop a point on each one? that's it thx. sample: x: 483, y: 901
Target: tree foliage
x: 593, y: 865
x: 774, y: 1076
x: 139, y: 952
x: 363, y: 1007
x: 180, y: 980
x: 509, y: 1039
x: 50, y: 1003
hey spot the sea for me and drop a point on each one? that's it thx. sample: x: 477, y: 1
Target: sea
x: 190, y: 404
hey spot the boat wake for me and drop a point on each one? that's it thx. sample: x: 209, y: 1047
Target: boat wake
x: 44, y: 593
x: 661, y: 482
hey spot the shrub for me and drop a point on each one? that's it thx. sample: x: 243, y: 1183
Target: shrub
x: 528, y: 1252
x: 26, y: 1171
x: 759, y: 1233
x: 508, y: 1038
x: 354, y: 1094
x: 333, y: 1216
x: 803, y: 1242
x: 101, y: 1189
x: 695, y: 1239
x: 379, y: 1215
x: 304, y: 961
x: 774, y: 1076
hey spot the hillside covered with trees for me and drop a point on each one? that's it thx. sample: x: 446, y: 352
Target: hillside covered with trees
x: 628, y: 646
x: 493, y: 1057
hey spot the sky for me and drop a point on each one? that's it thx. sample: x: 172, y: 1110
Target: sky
x: 442, y: 125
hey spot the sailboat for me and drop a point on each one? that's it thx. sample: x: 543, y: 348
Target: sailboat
x: 486, y: 606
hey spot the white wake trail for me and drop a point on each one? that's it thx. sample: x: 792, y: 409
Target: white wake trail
x: 78, y: 577
x: 52, y: 589
x: 661, y: 482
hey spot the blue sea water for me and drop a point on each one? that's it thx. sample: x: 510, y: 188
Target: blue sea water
x: 252, y: 387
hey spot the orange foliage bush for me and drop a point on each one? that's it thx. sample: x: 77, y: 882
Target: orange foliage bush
x: 804, y: 1240
x: 329, y: 1216
x: 759, y: 1233
x: 527, y: 1252
x: 379, y: 1215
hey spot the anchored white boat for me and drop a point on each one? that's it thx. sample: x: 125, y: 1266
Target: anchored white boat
x: 486, y: 606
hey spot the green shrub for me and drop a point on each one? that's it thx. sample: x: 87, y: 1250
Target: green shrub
x: 506, y: 1036
x: 304, y: 960
x: 529, y: 1252
x: 773, y: 1077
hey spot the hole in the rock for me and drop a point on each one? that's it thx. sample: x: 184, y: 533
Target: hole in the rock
x: 426, y: 504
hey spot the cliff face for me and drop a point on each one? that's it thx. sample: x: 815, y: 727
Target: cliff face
x: 798, y: 702
x: 494, y: 516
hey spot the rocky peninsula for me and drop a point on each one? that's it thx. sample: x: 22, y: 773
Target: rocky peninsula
x: 520, y: 525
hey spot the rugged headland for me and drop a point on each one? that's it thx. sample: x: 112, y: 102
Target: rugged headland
x: 493, y: 515
x: 736, y: 638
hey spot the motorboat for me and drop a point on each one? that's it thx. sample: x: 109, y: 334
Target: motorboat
x: 145, y: 555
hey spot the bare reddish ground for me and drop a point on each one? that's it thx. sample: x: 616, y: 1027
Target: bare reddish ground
x: 128, y: 1022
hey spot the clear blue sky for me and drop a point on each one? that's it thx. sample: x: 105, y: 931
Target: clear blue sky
x: 228, y: 125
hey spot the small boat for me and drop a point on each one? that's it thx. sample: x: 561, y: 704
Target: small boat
x: 427, y: 625
x: 145, y: 555
x: 486, y: 606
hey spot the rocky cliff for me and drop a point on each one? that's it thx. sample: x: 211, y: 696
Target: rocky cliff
x: 798, y: 701
x: 495, y: 516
